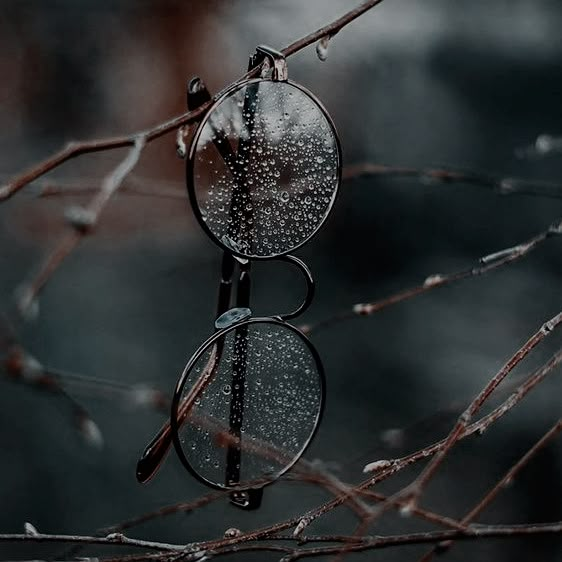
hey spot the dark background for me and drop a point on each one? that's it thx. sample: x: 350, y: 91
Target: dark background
x: 418, y: 84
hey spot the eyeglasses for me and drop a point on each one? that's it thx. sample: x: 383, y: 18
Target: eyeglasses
x: 263, y: 172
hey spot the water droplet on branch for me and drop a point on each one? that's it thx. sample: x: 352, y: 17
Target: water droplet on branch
x: 377, y: 465
x: 322, y: 48
x: 30, y: 529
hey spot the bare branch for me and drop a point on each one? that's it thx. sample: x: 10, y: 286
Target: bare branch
x: 331, y: 29
x: 22, y: 367
x: 486, y: 264
x: 396, y: 465
x: 82, y: 220
x: 195, y: 551
x: 501, y: 185
x: 139, y: 186
x: 415, y: 489
x: 74, y: 149
x: 476, y: 532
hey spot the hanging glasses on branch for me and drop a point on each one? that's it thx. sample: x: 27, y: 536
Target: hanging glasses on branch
x: 263, y: 172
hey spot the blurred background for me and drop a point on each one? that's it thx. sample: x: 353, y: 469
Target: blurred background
x: 407, y: 84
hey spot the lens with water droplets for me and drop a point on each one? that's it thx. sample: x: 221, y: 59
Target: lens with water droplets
x: 264, y: 168
x: 248, y: 404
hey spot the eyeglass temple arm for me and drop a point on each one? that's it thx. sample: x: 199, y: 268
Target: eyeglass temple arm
x: 246, y: 499
x: 239, y: 366
x: 239, y: 215
x: 155, y: 452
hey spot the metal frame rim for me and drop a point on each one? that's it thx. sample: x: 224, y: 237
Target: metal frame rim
x: 183, y: 379
x: 193, y: 149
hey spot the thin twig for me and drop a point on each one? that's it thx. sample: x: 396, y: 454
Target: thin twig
x: 22, y: 367
x: 133, y: 185
x: 147, y: 187
x: 430, y: 516
x: 111, y: 539
x: 475, y: 532
x: 82, y: 220
x: 413, y: 491
x: 486, y: 264
x: 501, y: 185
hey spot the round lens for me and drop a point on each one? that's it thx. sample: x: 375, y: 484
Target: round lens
x: 264, y: 169
x: 261, y: 396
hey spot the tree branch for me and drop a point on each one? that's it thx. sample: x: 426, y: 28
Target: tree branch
x: 501, y: 185
x: 82, y: 220
x: 486, y: 264
x: 197, y: 551
x: 73, y: 149
x: 392, y: 467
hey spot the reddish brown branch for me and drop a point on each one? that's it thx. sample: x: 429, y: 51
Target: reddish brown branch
x: 473, y: 533
x: 73, y: 149
x: 502, y: 185
x: 331, y: 29
x: 82, y: 220
x: 139, y: 186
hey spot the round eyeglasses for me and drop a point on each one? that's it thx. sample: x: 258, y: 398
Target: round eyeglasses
x: 263, y: 172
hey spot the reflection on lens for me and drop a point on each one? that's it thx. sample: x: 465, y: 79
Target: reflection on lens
x: 259, y: 410
x: 266, y: 169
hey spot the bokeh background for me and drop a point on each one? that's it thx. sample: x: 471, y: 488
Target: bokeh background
x: 416, y: 84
